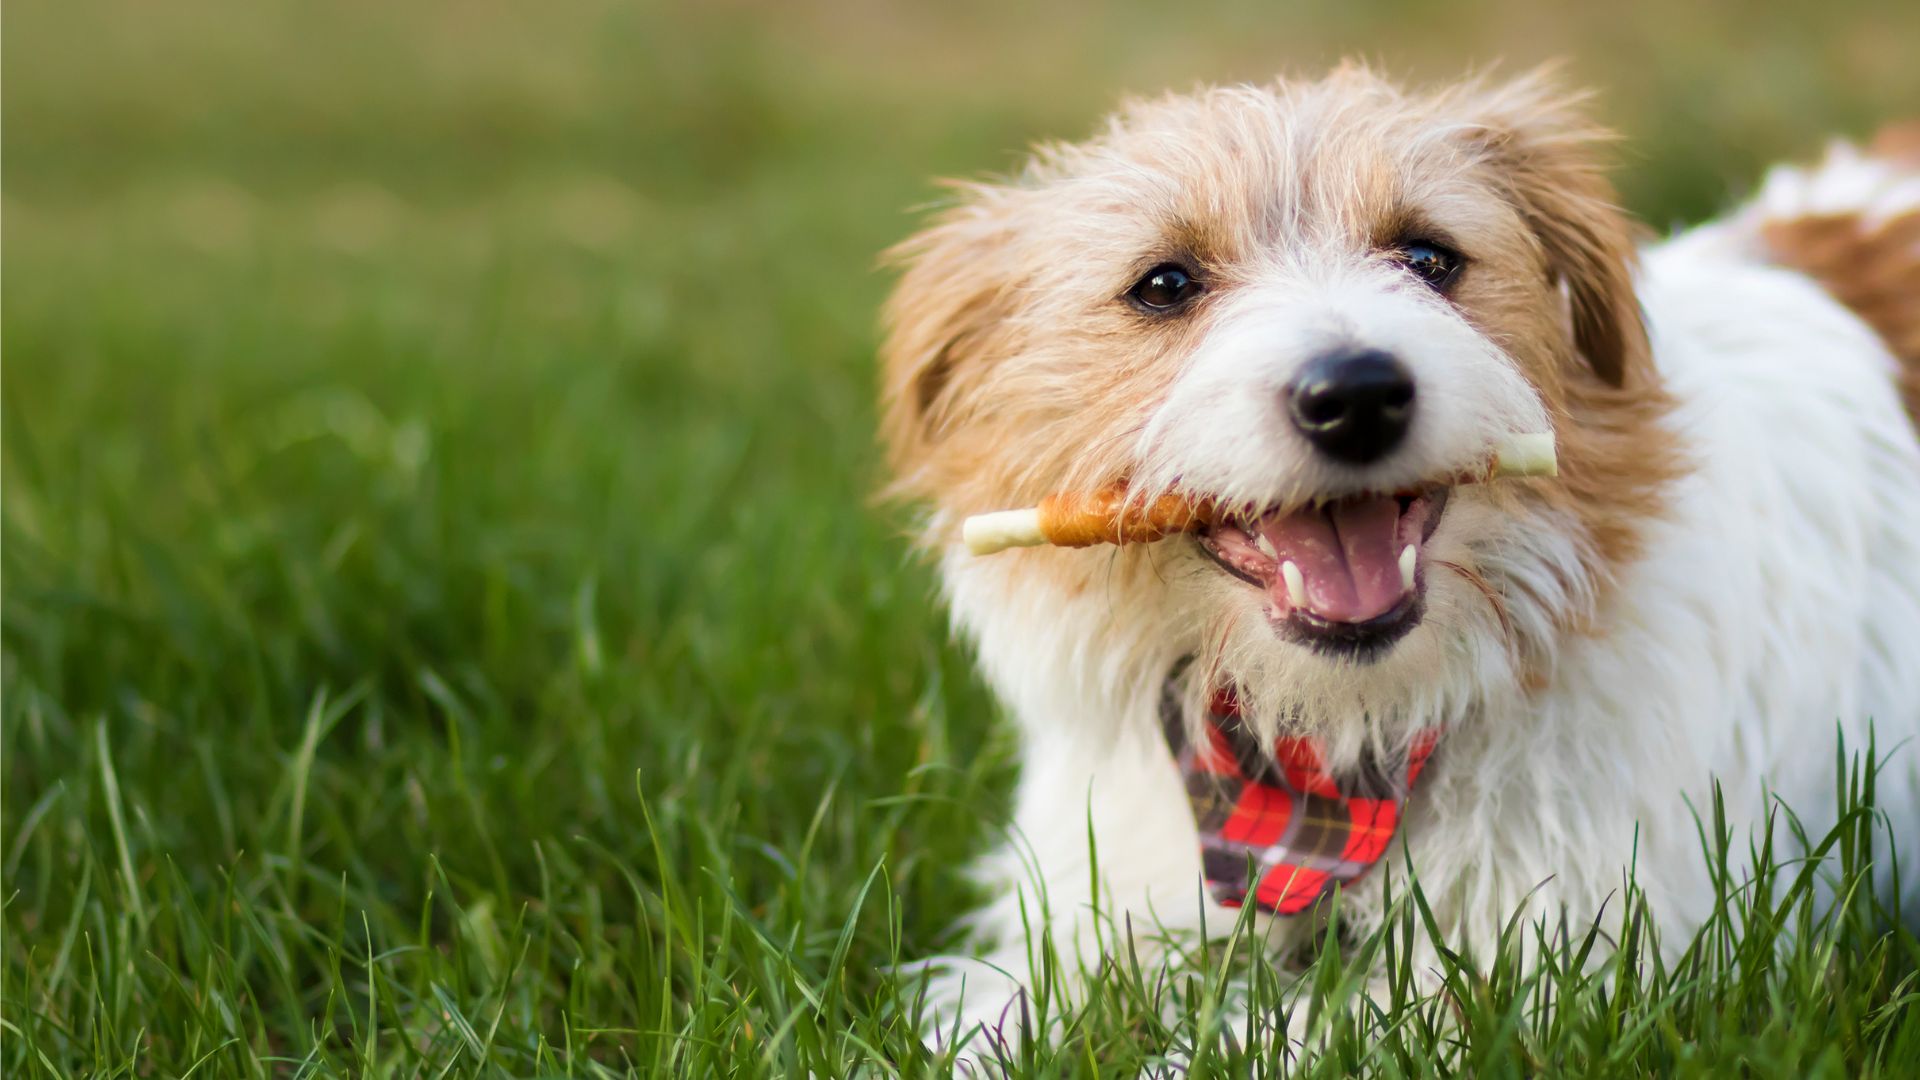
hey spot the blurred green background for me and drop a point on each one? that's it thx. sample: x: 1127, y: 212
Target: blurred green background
x: 421, y: 418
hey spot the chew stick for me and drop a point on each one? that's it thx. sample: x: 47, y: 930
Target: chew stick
x: 1082, y: 520
x: 1071, y: 519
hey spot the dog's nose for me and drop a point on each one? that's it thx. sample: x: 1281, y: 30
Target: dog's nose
x: 1355, y: 406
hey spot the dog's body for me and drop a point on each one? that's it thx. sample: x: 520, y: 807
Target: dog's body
x: 1723, y: 583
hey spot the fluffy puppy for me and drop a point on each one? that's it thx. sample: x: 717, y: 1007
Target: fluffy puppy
x: 1317, y: 302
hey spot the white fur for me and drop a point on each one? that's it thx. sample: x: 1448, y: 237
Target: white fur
x: 1776, y: 609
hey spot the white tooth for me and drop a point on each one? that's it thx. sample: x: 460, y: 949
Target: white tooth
x: 1266, y: 546
x: 1407, y: 559
x: 1296, y: 584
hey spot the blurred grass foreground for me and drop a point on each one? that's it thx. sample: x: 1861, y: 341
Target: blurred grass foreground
x: 446, y: 626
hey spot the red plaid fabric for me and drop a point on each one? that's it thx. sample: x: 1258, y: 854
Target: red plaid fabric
x: 1276, y: 824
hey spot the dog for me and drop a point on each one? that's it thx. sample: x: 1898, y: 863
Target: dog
x: 1320, y: 302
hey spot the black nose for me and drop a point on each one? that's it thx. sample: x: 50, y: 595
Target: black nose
x: 1354, y: 406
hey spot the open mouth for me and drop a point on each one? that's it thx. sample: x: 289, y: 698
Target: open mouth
x: 1345, y: 576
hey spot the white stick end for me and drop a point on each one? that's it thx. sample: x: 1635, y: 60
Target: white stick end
x: 1526, y: 455
x: 987, y: 533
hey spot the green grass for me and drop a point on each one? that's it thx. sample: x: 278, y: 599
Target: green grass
x: 447, y: 629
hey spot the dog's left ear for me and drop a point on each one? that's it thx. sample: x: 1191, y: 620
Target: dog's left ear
x: 1549, y: 157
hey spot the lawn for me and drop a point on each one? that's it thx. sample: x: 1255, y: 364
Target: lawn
x: 447, y: 625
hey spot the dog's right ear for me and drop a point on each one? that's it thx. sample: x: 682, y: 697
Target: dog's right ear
x: 946, y: 316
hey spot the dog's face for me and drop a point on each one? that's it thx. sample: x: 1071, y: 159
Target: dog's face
x: 1317, y: 305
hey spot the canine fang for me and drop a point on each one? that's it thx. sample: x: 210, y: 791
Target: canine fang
x: 1296, y: 585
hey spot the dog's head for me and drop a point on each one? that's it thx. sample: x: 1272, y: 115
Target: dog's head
x: 1316, y: 304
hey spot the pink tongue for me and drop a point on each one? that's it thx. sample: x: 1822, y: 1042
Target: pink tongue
x: 1348, y: 553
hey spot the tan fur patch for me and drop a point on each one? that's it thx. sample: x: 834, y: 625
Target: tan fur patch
x: 1871, y: 267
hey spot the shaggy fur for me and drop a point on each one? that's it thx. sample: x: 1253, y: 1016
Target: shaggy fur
x: 1728, y: 565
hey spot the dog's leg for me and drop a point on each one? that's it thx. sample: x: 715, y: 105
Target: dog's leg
x: 1100, y: 861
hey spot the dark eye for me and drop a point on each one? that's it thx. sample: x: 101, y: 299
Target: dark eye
x: 1164, y: 287
x: 1430, y: 263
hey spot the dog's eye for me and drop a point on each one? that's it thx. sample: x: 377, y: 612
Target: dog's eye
x: 1164, y: 287
x: 1429, y: 262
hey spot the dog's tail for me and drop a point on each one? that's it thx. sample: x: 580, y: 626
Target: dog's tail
x: 1852, y: 223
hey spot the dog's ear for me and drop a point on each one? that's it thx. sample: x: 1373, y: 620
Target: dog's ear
x: 1549, y: 158
x: 948, y: 312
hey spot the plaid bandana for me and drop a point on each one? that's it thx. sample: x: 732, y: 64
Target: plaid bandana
x: 1278, y: 825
